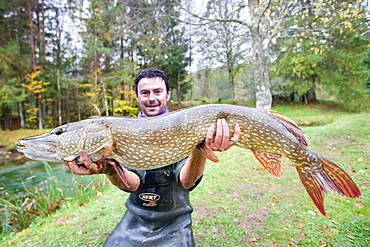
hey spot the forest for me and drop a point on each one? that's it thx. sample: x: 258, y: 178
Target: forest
x: 66, y: 60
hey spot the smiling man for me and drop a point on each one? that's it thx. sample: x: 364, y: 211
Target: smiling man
x: 152, y: 95
x: 158, y: 208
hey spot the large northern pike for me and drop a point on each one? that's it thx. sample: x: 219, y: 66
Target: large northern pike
x: 149, y: 143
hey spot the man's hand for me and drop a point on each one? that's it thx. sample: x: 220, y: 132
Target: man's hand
x: 88, y: 167
x: 119, y: 176
x: 222, y: 139
x: 194, y: 166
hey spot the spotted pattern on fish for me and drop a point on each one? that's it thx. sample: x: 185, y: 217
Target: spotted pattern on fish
x: 149, y: 143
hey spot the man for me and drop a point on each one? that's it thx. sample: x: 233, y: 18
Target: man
x: 158, y: 208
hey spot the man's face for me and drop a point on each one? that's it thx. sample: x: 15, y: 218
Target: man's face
x: 152, y: 96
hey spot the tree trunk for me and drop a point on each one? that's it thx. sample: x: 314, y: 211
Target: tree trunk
x: 7, y: 111
x: 261, y: 76
x: 32, y: 41
x: 260, y: 55
x: 68, y: 104
x: 311, y: 95
x: 39, y: 106
x: 22, y: 121
x: 59, y: 100
x: 178, y: 94
x: 105, y: 98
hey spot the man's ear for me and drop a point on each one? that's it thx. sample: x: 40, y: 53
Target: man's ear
x: 168, y: 97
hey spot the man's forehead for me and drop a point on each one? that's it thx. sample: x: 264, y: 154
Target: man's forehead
x: 151, y: 83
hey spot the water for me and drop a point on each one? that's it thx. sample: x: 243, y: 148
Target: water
x: 31, y: 188
x: 17, y: 177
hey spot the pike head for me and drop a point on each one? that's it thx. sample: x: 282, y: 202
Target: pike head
x: 64, y: 142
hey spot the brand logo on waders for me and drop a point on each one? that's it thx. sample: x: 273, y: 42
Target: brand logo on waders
x: 151, y: 198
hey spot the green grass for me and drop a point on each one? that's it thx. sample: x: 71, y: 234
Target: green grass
x: 9, y: 138
x: 238, y: 203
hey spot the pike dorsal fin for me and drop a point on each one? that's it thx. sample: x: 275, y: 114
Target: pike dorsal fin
x: 271, y: 162
x: 292, y: 127
x: 207, y: 152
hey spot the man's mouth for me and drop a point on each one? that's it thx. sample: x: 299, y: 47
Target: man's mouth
x: 152, y: 106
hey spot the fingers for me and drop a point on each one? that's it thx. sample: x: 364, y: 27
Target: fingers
x: 88, y: 167
x: 96, y: 167
x: 237, y: 133
x: 209, y: 136
x: 222, y: 140
x: 77, y: 169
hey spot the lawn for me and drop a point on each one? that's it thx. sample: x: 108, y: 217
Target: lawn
x: 238, y: 203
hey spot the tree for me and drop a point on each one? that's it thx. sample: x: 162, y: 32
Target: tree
x: 327, y: 46
x: 14, y: 62
x: 231, y: 41
x: 262, y: 21
x: 163, y: 44
x: 12, y: 67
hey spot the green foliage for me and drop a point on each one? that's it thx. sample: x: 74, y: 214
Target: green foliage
x: 328, y: 52
x: 11, y: 73
x: 322, y: 44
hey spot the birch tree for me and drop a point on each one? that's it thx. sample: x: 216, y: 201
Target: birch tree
x: 261, y: 21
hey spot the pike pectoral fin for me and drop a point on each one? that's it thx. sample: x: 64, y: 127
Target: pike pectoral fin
x: 120, y: 172
x: 271, y: 162
x: 207, y: 152
x: 323, y: 177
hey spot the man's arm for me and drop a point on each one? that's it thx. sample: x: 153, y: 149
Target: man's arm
x: 194, y: 166
x: 89, y: 168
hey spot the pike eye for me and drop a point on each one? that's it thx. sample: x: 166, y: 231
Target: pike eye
x: 59, y: 132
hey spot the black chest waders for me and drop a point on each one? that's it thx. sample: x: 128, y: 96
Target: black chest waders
x: 158, y: 214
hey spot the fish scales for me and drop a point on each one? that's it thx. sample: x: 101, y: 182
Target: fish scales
x: 165, y: 140
x: 149, y: 143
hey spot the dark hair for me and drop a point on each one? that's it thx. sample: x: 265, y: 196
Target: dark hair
x: 151, y: 73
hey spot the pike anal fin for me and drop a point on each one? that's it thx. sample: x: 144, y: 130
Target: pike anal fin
x: 323, y: 177
x: 271, y: 162
x: 120, y: 172
x: 207, y: 152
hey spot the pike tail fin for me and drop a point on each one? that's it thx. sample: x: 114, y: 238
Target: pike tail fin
x: 323, y: 177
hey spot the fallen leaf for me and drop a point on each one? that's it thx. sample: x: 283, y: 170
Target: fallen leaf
x: 326, y: 232
x: 334, y: 230
x: 357, y: 205
x: 311, y: 212
x: 350, y: 236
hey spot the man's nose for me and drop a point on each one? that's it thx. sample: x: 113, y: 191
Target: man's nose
x: 151, y: 96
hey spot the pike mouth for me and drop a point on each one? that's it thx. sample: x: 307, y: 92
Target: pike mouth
x: 37, y: 150
x: 20, y: 147
x: 33, y: 153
